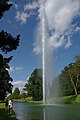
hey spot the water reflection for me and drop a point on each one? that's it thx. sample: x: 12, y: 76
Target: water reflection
x: 26, y: 111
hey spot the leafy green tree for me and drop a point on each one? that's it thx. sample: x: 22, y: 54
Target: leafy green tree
x: 77, y: 58
x: 16, y: 93
x: 65, y: 84
x: 71, y: 77
x: 23, y: 95
x: 7, y: 44
x: 5, y: 79
x: 34, y: 85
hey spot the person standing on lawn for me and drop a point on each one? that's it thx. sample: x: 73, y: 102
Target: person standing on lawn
x: 10, y: 106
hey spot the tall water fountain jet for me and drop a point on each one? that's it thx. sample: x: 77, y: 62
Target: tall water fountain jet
x: 44, y: 44
x: 43, y: 54
x: 48, y: 73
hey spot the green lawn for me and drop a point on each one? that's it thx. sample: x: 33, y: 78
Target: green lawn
x: 72, y: 99
x: 29, y: 100
x: 4, y: 115
x: 77, y: 100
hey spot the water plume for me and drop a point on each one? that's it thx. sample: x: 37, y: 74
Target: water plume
x: 47, y: 59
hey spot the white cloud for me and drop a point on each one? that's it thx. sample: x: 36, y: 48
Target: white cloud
x: 57, y: 40
x: 15, y: 69
x: 19, y: 83
x: 60, y: 15
x: 18, y: 68
x: 68, y: 44
x: 31, y: 6
x: 77, y: 29
x: 37, y: 50
x: 61, y: 18
x: 22, y: 17
x: 27, y: 12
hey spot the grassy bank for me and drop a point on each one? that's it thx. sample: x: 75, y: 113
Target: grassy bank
x: 65, y: 100
x: 77, y: 100
x: 73, y: 99
x: 29, y: 100
x: 62, y: 100
x: 4, y: 115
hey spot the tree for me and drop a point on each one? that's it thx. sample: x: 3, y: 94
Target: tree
x: 23, y: 95
x: 16, y: 93
x: 71, y: 74
x: 65, y: 84
x: 5, y: 79
x: 34, y: 85
x: 7, y: 44
x: 4, y: 6
x: 77, y: 58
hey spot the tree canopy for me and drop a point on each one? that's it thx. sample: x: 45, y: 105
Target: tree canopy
x: 16, y: 93
x: 4, y: 6
x: 70, y: 78
x: 34, y: 85
x: 7, y: 42
x: 5, y: 79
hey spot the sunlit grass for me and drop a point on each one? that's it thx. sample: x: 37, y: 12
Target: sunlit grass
x: 72, y: 99
x: 29, y: 100
x: 23, y: 99
x: 77, y: 99
x: 2, y: 105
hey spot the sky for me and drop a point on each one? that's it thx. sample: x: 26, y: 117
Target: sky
x: 24, y: 18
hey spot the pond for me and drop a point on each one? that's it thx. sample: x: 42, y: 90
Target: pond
x: 28, y: 111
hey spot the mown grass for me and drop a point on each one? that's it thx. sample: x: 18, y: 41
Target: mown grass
x: 65, y: 100
x: 72, y: 99
x: 23, y: 99
x: 5, y: 115
x: 77, y: 100
x: 29, y: 100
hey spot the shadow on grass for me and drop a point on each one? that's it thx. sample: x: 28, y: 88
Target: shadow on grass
x: 4, y: 115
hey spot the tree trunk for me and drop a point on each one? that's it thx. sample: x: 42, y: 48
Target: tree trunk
x: 77, y: 80
x: 74, y: 86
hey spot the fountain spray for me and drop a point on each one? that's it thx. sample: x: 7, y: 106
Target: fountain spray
x: 43, y: 52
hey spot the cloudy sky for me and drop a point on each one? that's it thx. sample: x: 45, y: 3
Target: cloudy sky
x: 63, y: 24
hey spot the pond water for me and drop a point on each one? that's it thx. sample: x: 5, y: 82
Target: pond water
x: 27, y: 111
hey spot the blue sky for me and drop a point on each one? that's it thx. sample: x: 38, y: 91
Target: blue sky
x: 64, y: 24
